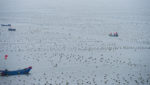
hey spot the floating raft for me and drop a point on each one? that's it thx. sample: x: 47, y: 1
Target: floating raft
x: 5, y: 24
x: 16, y: 72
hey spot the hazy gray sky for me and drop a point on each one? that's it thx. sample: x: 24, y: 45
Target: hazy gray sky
x: 44, y: 4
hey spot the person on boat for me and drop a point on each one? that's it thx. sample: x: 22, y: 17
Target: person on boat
x: 110, y: 34
x: 115, y: 34
x: 6, y: 70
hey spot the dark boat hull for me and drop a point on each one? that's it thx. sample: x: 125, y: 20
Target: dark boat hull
x: 115, y: 35
x: 11, y: 29
x: 17, y: 72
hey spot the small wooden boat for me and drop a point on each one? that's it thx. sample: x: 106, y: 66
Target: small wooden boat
x: 16, y: 72
x: 5, y: 24
x: 114, y: 35
x: 11, y: 29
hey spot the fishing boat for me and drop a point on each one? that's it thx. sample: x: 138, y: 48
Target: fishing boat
x: 11, y: 29
x: 5, y: 24
x: 114, y: 35
x: 16, y: 72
